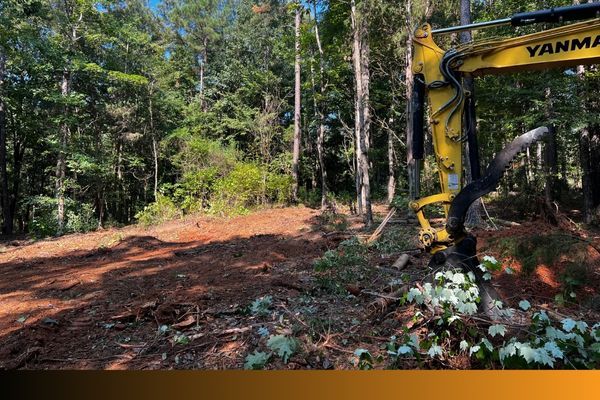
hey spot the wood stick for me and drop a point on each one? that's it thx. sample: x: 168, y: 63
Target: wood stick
x: 379, y: 229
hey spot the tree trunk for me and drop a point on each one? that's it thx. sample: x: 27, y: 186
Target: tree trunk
x: 587, y: 145
x: 391, y: 185
x: 61, y: 163
x: 7, y: 217
x: 360, y: 56
x: 550, y: 166
x: 473, y: 217
x: 412, y: 164
x: 154, y: 144
x: 586, y: 181
x: 320, y: 115
x: 297, y: 108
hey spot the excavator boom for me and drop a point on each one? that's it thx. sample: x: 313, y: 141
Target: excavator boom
x: 438, y: 80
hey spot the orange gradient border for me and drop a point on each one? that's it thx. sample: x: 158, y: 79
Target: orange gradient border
x: 263, y: 385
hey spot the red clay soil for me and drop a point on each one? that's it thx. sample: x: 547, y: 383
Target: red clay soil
x: 99, y: 300
x: 121, y: 298
x: 545, y: 281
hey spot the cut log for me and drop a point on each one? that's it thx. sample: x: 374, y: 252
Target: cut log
x: 384, y: 301
x: 401, y: 262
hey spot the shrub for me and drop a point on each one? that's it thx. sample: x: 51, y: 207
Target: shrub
x: 248, y: 185
x: 161, y: 210
x: 79, y: 217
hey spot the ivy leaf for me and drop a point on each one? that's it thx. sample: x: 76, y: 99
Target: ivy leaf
x: 497, y: 329
x: 474, y: 349
x: 507, y: 351
x: 554, y: 350
x: 581, y: 326
x: 568, y: 324
x: 487, y: 344
x: 262, y: 331
x: 524, y: 305
x: 283, y: 346
x: 527, y: 353
x: 434, y: 350
x: 256, y: 360
x: 544, y: 358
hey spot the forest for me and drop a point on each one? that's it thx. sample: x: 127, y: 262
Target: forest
x: 169, y: 129
x: 119, y: 111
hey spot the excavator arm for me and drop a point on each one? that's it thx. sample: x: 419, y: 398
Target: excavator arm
x: 438, y: 80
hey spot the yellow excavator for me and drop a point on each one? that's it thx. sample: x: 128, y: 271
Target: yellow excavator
x: 439, y: 79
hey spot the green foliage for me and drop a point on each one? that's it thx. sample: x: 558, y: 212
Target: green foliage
x: 261, y: 306
x: 545, y: 343
x: 256, y: 360
x: 44, y: 220
x: 248, y: 185
x: 346, y: 264
x: 401, y: 203
x: 331, y: 221
x: 163, y: 209
x: 283, y: 346
x: 395, y: 239
x: 364, y: 359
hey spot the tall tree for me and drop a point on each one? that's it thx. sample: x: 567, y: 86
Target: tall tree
x: 362, y: 117
x: 7, y: 218
x: 297, y: 102
x: 319, y: 110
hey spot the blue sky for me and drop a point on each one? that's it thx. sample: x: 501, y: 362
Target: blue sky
x: 154, y: 3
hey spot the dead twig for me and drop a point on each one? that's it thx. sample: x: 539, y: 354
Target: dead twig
x: 292, y: 314
x: 379, y: 229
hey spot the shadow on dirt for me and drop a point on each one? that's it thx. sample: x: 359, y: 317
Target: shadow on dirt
x: 105, y: 308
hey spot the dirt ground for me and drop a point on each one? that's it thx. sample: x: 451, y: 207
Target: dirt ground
x: 98, y: 300
x: 177, y: 295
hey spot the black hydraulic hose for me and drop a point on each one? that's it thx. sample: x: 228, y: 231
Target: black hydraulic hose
x: 558, y: 14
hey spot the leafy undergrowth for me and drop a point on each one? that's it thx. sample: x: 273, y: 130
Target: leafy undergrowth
x: 435, y: 323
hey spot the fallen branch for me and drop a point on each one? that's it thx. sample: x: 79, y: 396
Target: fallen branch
x: 379, y: 229
x: 381, y: 304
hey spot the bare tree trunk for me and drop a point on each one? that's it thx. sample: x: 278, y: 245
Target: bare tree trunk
x: 320, y: 114
x: 391, y: 185
x: 61, y: 163
x: 411, y: 163
x: 154, y: 144
x: 360, y: 56
x: 7, y: 217
x: 586, y: 179
x: 202, y: 64
x: 366, y: 120
x: 550, y: 166
x: 297, y: 108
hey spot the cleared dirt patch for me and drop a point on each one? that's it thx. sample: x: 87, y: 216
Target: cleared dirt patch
x: 98, y: 300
